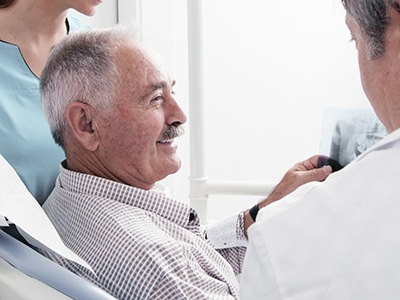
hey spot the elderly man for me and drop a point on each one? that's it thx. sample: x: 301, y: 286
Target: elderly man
x: 111, y: 106
x: 339, y: 239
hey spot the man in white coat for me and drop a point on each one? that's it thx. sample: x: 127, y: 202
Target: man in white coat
x: 340, y: 239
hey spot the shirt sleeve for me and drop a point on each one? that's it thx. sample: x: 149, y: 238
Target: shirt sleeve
x: 226, y: 233
x: 227, y: 237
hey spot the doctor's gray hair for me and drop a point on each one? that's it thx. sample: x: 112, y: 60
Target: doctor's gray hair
x: 82, y: 67
x: 373, y: 18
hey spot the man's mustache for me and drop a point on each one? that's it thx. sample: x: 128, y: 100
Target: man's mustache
x: 173, y: 131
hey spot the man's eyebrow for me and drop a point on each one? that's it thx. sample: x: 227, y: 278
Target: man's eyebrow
x: 158, y: 85
x: 153, y: 87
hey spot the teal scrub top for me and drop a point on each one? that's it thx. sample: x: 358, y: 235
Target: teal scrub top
x: 25, y: 138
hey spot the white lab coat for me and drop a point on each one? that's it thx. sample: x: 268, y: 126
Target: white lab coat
x: 339, y: 239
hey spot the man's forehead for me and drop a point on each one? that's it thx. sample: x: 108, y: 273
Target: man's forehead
x: 142, y: 72
x: 129, y: 54
x: 134, y: 56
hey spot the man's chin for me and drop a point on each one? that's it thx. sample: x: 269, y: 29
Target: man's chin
x: 171, y: 168
x: 177, y: 167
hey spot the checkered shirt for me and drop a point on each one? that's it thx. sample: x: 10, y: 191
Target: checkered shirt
x: 140, y: 244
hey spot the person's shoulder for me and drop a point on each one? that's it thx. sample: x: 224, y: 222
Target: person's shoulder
x: 75, y: 24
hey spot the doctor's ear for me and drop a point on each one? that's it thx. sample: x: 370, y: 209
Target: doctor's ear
x: 80, y: 121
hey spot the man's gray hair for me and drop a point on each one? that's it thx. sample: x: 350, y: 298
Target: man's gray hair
x: 373, y: 17
x: 82, y: 67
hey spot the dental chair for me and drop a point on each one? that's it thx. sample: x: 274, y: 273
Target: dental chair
x: 24, y: 272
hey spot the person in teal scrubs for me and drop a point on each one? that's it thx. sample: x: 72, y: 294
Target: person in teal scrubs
x: 28, y: 31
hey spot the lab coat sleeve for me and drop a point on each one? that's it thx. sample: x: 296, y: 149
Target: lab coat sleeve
x: 258, y: 280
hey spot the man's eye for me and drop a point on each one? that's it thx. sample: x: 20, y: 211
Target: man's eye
x: 157, y: 98
x: 156, y: 102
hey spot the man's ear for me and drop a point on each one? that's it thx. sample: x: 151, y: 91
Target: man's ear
x: 79, y: 117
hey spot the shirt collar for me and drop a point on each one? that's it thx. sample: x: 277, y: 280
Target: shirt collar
x: 149, y: 200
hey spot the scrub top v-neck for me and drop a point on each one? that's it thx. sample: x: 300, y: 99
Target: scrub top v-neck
x: 25, y: 138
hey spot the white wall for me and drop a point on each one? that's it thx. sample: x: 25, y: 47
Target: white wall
x: 273, y: 66
x: 271, y: 69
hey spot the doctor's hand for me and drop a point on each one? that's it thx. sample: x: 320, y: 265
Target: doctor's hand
x: 301, y: 173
